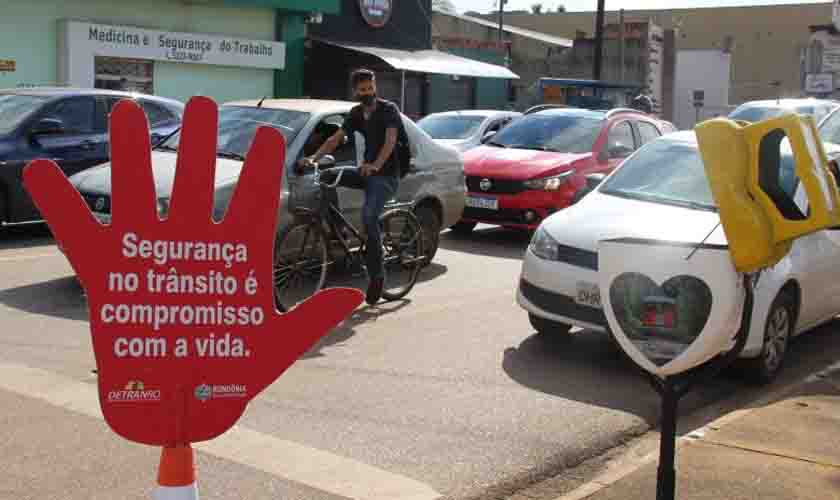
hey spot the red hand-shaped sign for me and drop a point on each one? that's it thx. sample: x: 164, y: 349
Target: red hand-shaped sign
x: 182, y: 313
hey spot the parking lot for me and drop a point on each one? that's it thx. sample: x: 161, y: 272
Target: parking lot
x: 447, y: 393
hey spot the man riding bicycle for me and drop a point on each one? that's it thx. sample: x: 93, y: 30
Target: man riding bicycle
x: 378, y: 121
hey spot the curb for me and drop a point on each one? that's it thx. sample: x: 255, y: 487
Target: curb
x: 615, y: 474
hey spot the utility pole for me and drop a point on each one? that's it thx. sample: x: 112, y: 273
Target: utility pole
x: 501, y: 13
x: 599, y: 40
x: 621, y: 45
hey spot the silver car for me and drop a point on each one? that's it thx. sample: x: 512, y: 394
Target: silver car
x: 434, y: 188
x: 466, y: 129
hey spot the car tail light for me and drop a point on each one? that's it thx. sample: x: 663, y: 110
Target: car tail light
x: 659, y: 312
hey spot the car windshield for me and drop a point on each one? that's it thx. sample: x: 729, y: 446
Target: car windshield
x: 564, y: 133
x: 450, y: 127
x: 663, y: 172
x: 672, y: 172
x: 238, y: 126
x: 15, y: 108
x: 755, y: 113
x: 830, y: 129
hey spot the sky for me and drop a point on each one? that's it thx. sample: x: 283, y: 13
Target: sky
x: 590, y: 5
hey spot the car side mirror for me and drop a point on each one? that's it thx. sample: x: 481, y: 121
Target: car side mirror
x: 486, y: 137
x: 48, y: 126
x: 603, y: 156
x: 619, y: 151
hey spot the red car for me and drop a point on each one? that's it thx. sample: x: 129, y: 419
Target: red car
x: 535, y: 165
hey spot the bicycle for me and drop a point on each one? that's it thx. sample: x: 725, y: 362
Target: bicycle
x: 305, y: 250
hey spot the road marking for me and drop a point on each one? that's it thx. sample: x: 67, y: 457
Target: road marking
x: 295, y: 462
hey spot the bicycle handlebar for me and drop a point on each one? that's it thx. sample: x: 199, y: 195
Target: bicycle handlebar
x: 340, y: 170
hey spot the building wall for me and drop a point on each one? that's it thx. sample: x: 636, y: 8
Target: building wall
x: 768, y: 40
x: 490, y: 93
x: 706, y: 70
x: 29, y: 32
x: 529, y: 58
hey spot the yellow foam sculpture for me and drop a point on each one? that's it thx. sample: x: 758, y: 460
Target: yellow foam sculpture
x: 742, y: 163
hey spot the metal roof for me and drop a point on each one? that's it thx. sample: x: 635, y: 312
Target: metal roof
x: 430, y: 61
x: 535, y: 35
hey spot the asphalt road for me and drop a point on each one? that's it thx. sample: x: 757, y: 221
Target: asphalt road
x: 448, y: 393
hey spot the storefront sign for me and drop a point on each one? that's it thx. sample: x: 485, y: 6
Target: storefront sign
x: 825, y: 48
x: 819, y: 83
x: 376, y: 12
x: 79, y: 42
x: 7, y: 65
x: 182, y: 314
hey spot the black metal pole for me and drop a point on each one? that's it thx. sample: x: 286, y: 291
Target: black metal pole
x: 666, y: 473
x: 501, y: 24
x: 599, y: 40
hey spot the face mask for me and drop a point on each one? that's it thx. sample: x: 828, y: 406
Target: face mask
x: 366, y: 99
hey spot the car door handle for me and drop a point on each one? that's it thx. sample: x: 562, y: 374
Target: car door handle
x: 87, y: 145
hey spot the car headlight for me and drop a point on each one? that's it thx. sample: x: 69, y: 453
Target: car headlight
x: 162, y: 207
x: 543, y: 245
x: 552, y: 183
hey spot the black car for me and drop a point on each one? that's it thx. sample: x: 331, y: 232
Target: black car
x: 69, y: 126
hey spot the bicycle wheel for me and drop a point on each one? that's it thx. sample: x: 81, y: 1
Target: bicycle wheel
x: 402, y: 252
x: 300, y: 264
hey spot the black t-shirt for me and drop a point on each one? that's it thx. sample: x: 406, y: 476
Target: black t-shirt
x: 385, y: 116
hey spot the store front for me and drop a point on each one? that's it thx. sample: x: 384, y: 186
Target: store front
x: 394, y: 40
x: 223, y: 49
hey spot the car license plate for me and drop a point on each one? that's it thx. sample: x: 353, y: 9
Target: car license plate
x: 482, y: 202
x: 588, y: 294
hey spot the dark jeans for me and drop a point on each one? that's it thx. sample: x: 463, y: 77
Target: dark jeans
x: 378, y: 190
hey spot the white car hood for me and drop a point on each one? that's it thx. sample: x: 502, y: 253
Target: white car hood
x: 598, y: 217
x: 97, y: 180
x: 459, y: 144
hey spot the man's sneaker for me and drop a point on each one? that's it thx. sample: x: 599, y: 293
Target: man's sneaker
x: 374, y: 291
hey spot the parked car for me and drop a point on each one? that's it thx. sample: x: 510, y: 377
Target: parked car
x: 829, y: 128
x: 434, y: 188
x: 465, y: 130
x: 67, y: 125
x: 756, y: 111
x: 661, y: 193
x: 534, y: 166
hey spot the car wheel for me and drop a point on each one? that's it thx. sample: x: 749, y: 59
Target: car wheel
x: 548, y: 328
x: 778, y: 329
x: 463, y: 228
x: 430, y: 223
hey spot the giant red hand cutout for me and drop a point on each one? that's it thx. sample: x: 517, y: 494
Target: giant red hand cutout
x: 182, y: 316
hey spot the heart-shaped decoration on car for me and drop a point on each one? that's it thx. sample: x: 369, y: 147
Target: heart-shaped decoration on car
x: 661, y: 320
x: 670, y: 305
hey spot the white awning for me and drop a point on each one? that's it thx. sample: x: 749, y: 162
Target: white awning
x: 431, y: 61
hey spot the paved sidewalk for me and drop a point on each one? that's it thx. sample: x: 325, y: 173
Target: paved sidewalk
x: 784, y: 450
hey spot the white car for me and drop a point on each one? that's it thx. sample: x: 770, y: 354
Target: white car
x: 467, y: 129
x: 756, y: 111
x: 661, y: 193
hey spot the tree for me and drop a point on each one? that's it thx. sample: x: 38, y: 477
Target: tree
x: 561, y: 8
x: 443, y: 5
x: 536, y: 8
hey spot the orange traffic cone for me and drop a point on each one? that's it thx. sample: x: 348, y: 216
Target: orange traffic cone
x: 176, y: 475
